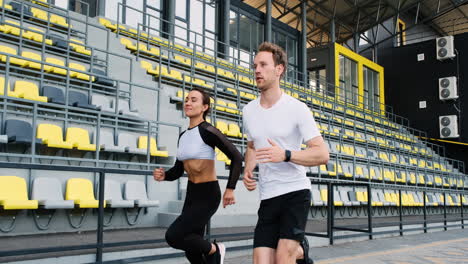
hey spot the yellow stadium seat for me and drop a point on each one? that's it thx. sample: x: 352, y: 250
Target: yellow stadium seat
x: 11, y: 51
x: 54, y: 69
x: 149, y: 67
x: 234, y: 130
x: 226, y: 74
x: 14, y: 194
x: 52, y: 136
x: 107, y: 24
x: 59, y: 20
x: 222, y: 157
x: 232, y: 108
x: 143, y: 144
x: 220, y: 105
x: 362, y: 197
x: 6, y: 6
x: 79, y: 138
x: 79, y: 47
x: 81, y: 192
x: 2, y: 86
x: 37, y: 35
x: 41, y: 2
x: 79, y: 75
x: 183, y: 60
x: 222, y: 126
x: 27, y: 90
x: 38, y: 13
x: 12, y: 27
x: 34, y: 56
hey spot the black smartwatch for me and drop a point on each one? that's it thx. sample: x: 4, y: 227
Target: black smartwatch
x: 287, y: 154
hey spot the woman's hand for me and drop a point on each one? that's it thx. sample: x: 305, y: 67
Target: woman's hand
x: 159, y: 174
x: 228, y: 198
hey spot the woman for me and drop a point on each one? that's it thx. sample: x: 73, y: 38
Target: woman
x: 196, y: 155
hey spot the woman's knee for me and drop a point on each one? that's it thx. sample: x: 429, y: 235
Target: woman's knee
x: 174, y: 239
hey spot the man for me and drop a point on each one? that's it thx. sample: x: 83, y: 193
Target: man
x: 276, y: 124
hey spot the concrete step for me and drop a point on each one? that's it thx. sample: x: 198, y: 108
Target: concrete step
x: 175, y: 206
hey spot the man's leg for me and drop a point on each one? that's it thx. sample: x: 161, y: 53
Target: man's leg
x: 264, y: 255
x: 288, y: 251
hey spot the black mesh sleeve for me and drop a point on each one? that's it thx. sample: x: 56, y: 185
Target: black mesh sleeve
x: 175, y: 172
x: 214, y: 138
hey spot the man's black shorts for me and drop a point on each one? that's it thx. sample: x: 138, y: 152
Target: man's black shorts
x: 282, y: 217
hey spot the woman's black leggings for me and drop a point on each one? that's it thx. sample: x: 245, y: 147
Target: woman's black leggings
x: 186, y: 233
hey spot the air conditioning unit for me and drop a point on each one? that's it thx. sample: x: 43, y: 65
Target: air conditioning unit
x: 448, y: 126
x: 448, y: 88
x: 445, y: 48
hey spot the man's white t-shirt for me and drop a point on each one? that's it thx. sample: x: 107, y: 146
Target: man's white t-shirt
x: 289, y: 123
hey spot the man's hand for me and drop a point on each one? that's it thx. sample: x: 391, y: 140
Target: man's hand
x: 159, y: 174
x: 271, y: 154
x: 228, y: 198
x: 249, y: 182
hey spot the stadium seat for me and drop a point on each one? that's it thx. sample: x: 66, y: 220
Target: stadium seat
x: 136, y: 190
x: 222, y: 157
x: 107, y: 143
x: 337, y: 197
x: 316, y: 198
x: 34, y: 57
x: 324, y: 196
x: 11, y: 51
x: 80, y: 75
x: 143, y: 144
x: 2, y: 86
x: 130, y: 142
x: 53, y: 94
x: 59, y: 69
x: 103, y: 103
x: 4, y: 5
x: 113, y: 196
x: 101, y: 78
x: 78, y: 99
x: 234, y: 131
x: 232, y: 108
x: 12, y: 27
x: 222, y: 126
x: 14, y: 194
x: 78, y: 46
x: 124, y: 108
x: 40, y: 14
x: 52, y: 136
x: 27, y: 90
x: 79, y: 138
x: 59, y: 20
x: 48, y: 192
x: 81, y: 191
x: 220, y: 105
x: 19, y: 131
x: 36, y: 34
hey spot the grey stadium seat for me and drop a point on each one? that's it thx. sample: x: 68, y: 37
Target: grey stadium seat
x: 79, y: 100
x: 316, y: 199
x: 124, y: 108
x: 130, y: 141
x: 337, y: 197
x: 136, y: 190
x: 103, y: 103
x: 100, y: 78
x: 107, y: 143
x: 113, y: 196
x: 48, y: 191
x: 53, y: 94
x: 19, y: 131
x: 345, y: 198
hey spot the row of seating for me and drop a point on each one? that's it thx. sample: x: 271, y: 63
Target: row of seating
x: 51, y: 135
x: 29, y: 90
x: 173, y: 75
x: 386, y: 173
x: 32, y: 60
x: 38, y: 14
x: 47, y: 194
x: 382, y: 197
x: 38, y: 35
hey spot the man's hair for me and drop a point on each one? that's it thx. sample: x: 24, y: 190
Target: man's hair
x: 279, y: 55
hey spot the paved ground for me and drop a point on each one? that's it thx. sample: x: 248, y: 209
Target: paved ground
x: 449, y: 247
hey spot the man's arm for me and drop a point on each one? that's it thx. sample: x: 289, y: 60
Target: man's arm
x: 250, y: 163
x: 315, y: 154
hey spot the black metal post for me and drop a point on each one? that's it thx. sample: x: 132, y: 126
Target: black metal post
x: 100, y: 231
x: 331, y: 212
x: 445, y: 212
x: 369, y: 210
x: 400, y: 212
x: 461, y: 211
x: 424, y: 211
